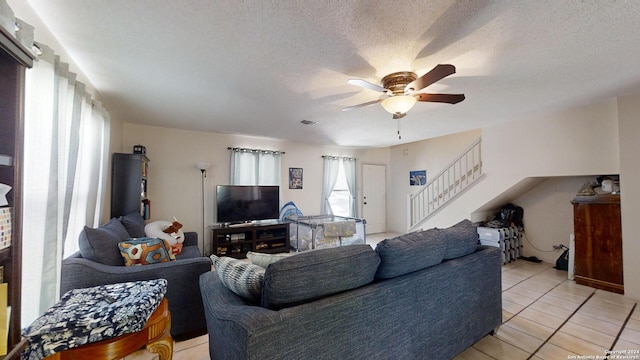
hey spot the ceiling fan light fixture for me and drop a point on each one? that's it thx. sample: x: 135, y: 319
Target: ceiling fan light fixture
x: 399, y: 104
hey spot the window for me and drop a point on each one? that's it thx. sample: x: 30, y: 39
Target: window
x: 340, y: 198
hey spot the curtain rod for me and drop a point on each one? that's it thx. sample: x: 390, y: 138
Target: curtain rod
x: 338, y: 157
x: 256, y: 150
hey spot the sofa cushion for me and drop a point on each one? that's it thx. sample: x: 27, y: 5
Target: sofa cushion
x: 134, y: 224
x: 101, y: 244
x: 462, y: 239
x: 410, y: 252
x: 264, y: 259
x: 241, y: 277
x: 312, y: 275
x: 145, y: 251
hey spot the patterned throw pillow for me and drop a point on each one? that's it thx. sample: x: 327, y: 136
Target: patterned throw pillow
x: 241, y: 277
x: 144, y: 251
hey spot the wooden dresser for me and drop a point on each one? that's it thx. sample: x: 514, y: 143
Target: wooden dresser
x: 598, y: 242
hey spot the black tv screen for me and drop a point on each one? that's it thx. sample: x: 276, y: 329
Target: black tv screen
x: 238, y: 203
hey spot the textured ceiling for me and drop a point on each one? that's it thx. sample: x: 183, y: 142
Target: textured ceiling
x: 259, y: 67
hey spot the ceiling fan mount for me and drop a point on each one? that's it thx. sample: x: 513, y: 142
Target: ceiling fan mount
x: 397, y: 82
x: 401, y: 89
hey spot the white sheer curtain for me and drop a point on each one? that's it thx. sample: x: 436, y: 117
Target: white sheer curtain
x: 65, y: 159
x: 350, y: 173
x: 331, y: 168
x: 254, y: 167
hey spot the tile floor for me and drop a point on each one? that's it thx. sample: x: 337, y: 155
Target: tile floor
x: 545, y: 316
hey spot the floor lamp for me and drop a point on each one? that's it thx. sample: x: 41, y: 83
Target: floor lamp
x: 203, y: 166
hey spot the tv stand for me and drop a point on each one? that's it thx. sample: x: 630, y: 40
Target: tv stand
x: 236, y: 240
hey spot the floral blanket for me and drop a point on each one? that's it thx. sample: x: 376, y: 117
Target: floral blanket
x: 94, y: 314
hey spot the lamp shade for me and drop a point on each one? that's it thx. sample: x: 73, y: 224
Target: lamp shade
x: 399, y: 104
x: 202, y: 165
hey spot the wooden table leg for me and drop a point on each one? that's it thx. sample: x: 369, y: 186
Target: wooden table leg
x: 155, y: 336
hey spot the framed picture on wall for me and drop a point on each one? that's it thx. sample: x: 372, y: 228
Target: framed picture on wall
x: 295, y: 178
x: 418, y: 177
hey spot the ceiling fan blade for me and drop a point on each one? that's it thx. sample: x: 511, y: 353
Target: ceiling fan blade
x: 399, y: 116
x: 367, y: 85
x: 442, y: 98
x: 437, y: 73
x: 361, y: 105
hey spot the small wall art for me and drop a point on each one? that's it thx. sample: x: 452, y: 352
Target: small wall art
x: 418, y: 177
x: 295, y: 178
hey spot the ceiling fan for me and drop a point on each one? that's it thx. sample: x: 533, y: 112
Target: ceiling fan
x: 401, y: 89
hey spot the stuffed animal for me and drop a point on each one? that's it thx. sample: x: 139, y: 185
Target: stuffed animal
x: 169, y: 231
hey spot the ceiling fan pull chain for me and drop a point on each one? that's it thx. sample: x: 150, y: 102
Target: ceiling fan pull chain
x: 399, y: 136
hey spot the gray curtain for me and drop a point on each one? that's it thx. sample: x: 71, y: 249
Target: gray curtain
x: 65, y: 160
x: 254, y: 167
x: 331, y: 168
x: 350, y: 173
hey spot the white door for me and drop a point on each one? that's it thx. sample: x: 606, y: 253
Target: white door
x: 374, y: 191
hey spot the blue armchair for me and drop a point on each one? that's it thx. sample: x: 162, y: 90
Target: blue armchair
x: 183, y: 290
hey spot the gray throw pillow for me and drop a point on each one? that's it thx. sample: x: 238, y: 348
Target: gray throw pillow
x: 101, y: 244
x: 134, y: 224
x: 462, y: 239
x: 410, y: 252
x: 315, y: 274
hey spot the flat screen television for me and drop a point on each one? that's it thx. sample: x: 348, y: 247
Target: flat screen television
x: 239, y: 203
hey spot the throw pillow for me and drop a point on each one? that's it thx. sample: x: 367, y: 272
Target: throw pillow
x: 134, y: 224
x: 410, y: 252
x: 144, y: 251
x: 263, y: 260
x: 101, y: 244
x: 312, y: 275
x: 241, y: 277
x: 462, y: 239
x: 156, y: 229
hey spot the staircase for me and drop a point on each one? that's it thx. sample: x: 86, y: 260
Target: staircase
x: 460, y: 175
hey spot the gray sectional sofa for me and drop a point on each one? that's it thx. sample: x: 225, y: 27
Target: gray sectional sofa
x: 423, y: 295
x: 99, y: 262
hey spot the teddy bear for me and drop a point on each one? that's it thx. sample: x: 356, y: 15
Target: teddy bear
x: 169, y: 231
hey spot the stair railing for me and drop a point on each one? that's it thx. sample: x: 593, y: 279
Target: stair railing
x: 464, y: 171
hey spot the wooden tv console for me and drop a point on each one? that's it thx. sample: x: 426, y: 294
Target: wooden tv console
x: 236, y: 240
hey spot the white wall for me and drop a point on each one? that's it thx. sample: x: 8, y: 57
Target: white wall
x: 629, y: 127
x: 175, y: 187
x: 548, y: 215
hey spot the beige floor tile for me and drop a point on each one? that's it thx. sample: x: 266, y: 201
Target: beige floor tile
x: 529, y: 327
x: 633, y: 324
x: 565, y: 295
x: 511, y: 307
x: 499, y: 349
x: 518, y: 338
x: 590, y: 335
x: 506, y: 315
x: 616, y: 317
x: 199, y: 352
x: 631, y: 336
x: 614, y: 298
x: 541, y: 318
x: 559, y: 302
x: 573, y: 288
x: 517, y: 298
x: 182, y: 345
x: 577, y: 345
x: 595, y: 324
x: 523, y: 290
x: 553, y: 352
x: 624, y: 345
x: 472, y: 354
x: 551, y: 309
